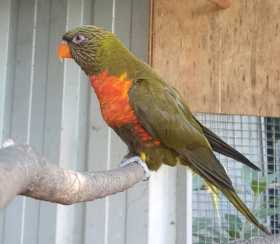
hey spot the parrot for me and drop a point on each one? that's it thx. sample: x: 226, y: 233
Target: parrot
x: 148, y: 114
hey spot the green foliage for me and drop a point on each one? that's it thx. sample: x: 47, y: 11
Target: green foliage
x: 258, y: 187
x: 204, y: 232
x: 234, y: 226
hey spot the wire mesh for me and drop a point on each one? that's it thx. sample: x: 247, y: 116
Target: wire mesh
x: 258, y: 138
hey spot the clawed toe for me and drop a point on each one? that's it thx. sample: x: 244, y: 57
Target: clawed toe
x: 138, y: 160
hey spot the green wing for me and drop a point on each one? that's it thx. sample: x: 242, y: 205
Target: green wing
x: 217, y: 144
x: 163, y: 114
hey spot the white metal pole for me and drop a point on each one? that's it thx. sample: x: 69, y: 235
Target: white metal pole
x: 162, y: 206
x: 188, y: 206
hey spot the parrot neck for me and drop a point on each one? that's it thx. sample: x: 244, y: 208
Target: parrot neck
x: 115, y: 58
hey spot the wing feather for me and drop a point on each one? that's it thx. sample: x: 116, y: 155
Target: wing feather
x: 222, y: 147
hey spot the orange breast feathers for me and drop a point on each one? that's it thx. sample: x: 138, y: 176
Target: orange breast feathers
x: 112, y: 93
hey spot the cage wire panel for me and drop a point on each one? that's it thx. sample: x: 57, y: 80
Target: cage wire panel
x: 258, y: 139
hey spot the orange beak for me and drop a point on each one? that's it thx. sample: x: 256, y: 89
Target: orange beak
x: 64, y: 50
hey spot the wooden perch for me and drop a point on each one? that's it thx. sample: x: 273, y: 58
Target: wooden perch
x: 222, y: 3
x: 25, y: 172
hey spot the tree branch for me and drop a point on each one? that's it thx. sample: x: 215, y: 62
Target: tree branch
x: 25, y: 172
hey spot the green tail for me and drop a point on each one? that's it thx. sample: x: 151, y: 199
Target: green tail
x: 238, y: 203
x: 214, y: 173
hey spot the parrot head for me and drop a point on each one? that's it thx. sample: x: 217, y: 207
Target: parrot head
x: 83, y: 44
x: 94, y: 49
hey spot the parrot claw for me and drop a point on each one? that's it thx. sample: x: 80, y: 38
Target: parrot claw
x: 138, y: 160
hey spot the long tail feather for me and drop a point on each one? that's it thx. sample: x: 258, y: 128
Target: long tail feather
x: 237, y: 202
x: 215, y: 198
x: 214, y: 173
x: 220, y: 146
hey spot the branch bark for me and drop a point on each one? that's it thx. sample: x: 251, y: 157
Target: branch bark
x: 25, y: 172
x: 222, y: 3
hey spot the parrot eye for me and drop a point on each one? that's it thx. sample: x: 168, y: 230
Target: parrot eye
x: 79, y: 38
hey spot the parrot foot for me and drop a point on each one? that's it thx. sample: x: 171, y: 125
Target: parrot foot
x: 139, y: 161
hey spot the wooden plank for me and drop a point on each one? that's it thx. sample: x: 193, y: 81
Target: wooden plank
x: 222, y: 61
x: 255, y: 66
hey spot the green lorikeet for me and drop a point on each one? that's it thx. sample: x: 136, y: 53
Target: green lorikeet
x: 149, y: 115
